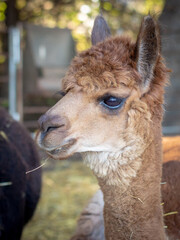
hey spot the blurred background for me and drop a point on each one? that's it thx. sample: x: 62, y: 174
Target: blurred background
x: 38, y: 39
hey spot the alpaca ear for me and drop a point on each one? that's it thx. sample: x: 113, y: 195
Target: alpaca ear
x: 147, y: 51
x: 100, y: 30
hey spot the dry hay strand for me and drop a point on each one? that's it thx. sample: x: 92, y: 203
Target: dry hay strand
x: 34, y: 169
x: 4, y: 184
x: 3, y: 135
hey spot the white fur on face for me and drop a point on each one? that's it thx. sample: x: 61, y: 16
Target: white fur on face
x: 117, y: 167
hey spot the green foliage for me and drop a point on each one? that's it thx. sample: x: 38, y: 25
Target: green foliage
x: 78, y: 15
x: 3, y: 7
x: 107, y: 6
x: 2, y: 59
x: 4, y: 104
x: 154, y: 6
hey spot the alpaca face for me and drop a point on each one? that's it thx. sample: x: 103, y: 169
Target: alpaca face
x: 88, y: 122
x: 94, y: 114
x: 111, y: 93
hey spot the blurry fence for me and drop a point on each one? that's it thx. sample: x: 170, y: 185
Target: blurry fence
x: 39, y: 57
x: 3, y: 68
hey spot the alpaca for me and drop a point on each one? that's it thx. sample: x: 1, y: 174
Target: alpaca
x: 111, y: 113
x: 19, y: 193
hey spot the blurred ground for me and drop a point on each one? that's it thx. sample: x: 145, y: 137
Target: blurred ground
x: 67, y: 187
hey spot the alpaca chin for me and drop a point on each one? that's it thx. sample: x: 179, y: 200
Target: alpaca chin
x: 117, y: 167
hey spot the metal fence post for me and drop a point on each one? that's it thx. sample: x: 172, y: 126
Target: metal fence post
x: 14, y: 59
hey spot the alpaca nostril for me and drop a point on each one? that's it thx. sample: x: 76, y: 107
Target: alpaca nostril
x: 48, y: 123
x: 51, y: 128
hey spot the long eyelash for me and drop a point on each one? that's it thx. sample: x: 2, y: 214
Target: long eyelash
x: 106, y: 96
x: 61, y: 93
x: 101, y: 98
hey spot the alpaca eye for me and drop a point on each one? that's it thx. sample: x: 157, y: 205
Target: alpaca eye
x: 112, y: 102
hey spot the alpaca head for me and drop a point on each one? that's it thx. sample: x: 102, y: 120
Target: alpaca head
x: 113, y: 97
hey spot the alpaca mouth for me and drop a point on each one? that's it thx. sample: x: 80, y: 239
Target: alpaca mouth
x: 62, y: 151
x: 62, y: 147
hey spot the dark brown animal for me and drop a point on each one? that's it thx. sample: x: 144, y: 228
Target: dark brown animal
x: 19, y: 192
x: 112, y: 114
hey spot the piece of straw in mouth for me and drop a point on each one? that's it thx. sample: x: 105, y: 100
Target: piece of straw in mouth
x: 45, y: 161
x: 4, y: 184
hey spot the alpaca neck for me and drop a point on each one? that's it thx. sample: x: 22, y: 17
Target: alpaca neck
x: 130, y: 181
x: 132, y: 208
